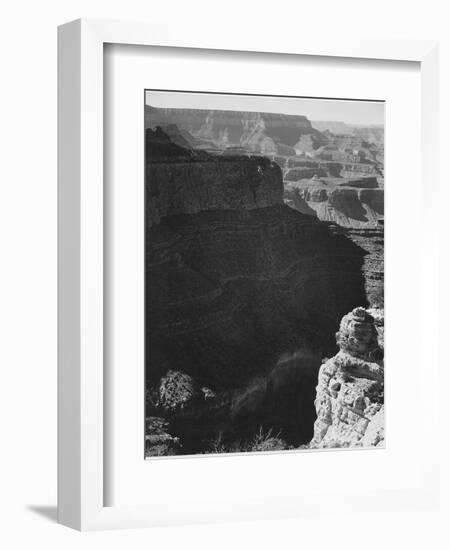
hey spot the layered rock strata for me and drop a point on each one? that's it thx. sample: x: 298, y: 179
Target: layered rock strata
x: 184, y: 181
x: 372, y: 241
x: 229, y: 289
x: 266, y: 133
x: 354, y: 204
x: 350, y: 391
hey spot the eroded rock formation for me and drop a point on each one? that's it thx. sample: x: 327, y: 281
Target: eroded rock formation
x: 350, y: 391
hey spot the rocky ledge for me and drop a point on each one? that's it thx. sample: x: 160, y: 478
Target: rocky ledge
x: 350, y: 391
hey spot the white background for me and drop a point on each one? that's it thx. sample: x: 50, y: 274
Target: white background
x: 28, y: 273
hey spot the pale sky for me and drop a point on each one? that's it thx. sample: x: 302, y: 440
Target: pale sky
x: 349, y: 111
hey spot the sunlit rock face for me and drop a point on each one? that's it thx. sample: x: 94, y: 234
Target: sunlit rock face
x: 350, y: 391
x: 357, y: 335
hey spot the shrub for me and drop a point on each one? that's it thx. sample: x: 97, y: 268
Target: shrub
x: 266, y: 441
x: 177, y: 391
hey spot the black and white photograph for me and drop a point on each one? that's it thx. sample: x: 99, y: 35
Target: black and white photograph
x: 264, y: 273
x: 226, y: 238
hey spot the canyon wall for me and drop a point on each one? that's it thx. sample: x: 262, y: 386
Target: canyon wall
x: 244, y: 184
x: 266, y: 133
x: 229, y: 289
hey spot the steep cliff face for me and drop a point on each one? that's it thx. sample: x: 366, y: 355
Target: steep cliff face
x: 192, y: 187
x: 372, y: 241
x: 228, y: 289
x: 350, y: 391
x: 181, y: 180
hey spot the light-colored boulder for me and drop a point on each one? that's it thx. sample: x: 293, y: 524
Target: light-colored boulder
x: 350, y: 391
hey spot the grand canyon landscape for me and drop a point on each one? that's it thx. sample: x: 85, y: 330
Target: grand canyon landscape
x: 264, y: 278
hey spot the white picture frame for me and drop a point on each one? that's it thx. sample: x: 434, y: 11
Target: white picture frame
x: 81, y: 481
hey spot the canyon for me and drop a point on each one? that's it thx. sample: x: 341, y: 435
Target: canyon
x: 250, y: 267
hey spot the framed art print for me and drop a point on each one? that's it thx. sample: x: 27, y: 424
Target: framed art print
x: 235, y: 280
x: 264, y: 232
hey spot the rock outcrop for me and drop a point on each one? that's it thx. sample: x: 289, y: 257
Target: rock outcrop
x: 350, y: 391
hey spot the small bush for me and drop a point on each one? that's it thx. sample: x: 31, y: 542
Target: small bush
x: 266, y: 441
x: 177, y: 391
x: 262, y: 441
